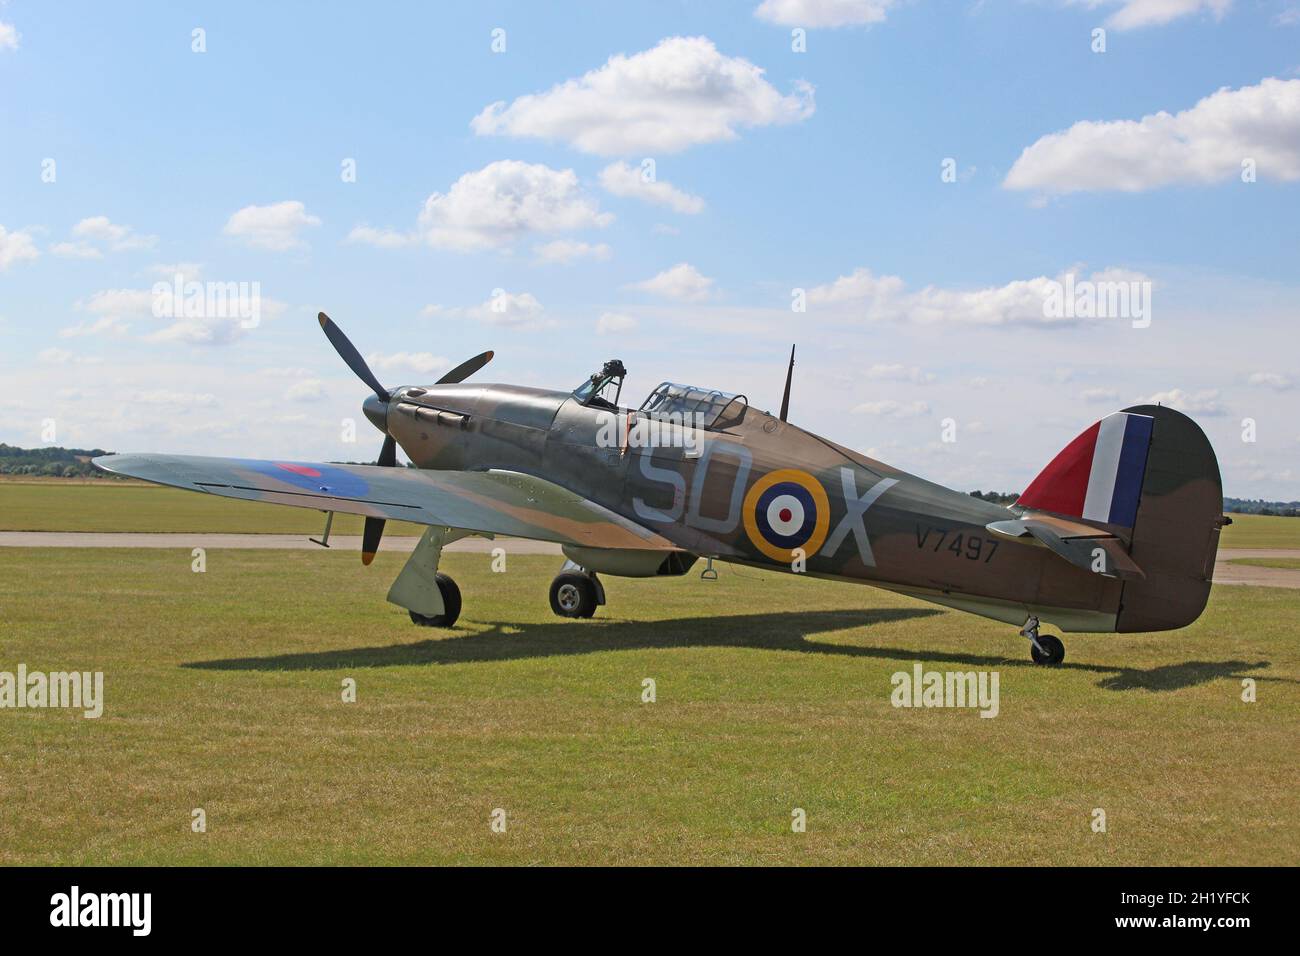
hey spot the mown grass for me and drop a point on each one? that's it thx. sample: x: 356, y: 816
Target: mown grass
x: 1261, y: 531
x: 1288, y: 563
x: 224, y: 692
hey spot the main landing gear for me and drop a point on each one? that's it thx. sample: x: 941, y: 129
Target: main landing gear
x: 1043, y: 648
x: 575, y: 592
x: 450, y: 602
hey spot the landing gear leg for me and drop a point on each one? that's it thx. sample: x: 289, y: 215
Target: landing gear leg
x: 430, y: 597
x: 1044, y: 648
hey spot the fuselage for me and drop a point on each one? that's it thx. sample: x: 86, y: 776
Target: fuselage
x: 756, y: 490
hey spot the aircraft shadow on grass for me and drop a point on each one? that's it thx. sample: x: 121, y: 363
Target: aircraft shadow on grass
x: 791, y: 631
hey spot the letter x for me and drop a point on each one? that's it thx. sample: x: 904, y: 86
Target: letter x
x: 853, y: 516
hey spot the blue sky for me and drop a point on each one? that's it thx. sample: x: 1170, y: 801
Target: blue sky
x: 774, y: 170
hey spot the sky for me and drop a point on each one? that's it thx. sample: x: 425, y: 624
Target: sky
x: 904, y: 190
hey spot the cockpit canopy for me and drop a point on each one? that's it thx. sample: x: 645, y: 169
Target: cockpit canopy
x: 684, y: 405
x: 697, y: 407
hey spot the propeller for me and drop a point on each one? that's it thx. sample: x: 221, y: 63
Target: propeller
x: 351, y: 357
x: 465, y: 369
x: 373, y: 529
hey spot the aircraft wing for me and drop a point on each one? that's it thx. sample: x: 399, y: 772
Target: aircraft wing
x: 491, y: 502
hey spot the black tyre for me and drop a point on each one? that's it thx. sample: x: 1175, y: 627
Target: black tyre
x: 450, y: 604
x: 1053, y: 651
x: 573, y: 595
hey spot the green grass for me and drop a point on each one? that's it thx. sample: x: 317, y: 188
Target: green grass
x: 223, y: 692
x: 1292, y: 564
x: 130, y: 506
x: 1261, y: 531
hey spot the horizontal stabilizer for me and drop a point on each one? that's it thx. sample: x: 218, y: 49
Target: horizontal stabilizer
x: 1084, y: 546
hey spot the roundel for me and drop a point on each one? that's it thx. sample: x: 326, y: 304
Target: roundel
x: 314, y: 477
x: 785, y: 510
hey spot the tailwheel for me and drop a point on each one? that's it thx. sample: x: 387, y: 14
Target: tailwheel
x: 1052, y: 652
x: 573, y: 595
x: 450, y: 605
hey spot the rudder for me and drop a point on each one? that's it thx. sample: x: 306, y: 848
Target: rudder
x: 1176, y: 534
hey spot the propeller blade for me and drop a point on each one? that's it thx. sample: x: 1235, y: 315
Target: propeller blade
x: 465, y: 369
x: 374, y: 527
x: 351, y: 357
x: 370, y: 535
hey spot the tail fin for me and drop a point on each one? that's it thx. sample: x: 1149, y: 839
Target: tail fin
x: 1099, y: 475
x: 1149, y: 475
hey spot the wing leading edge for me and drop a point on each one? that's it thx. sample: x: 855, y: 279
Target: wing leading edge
x: 493, y: 502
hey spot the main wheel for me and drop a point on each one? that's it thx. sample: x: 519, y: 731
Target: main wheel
x: 450, y: 605
x: 573, y: 595
x: 1053, y: 651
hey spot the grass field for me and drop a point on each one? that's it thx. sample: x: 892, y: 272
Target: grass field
x: 1292, y: 564
x: 224, y: 693
x: 105, y: 505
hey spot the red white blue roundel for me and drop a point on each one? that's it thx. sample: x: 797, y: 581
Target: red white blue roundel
x: 786, y: 510
x: 327, y: 479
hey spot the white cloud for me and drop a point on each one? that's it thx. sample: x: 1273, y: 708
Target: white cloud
x: 424, y: 363
x: 493, y: 206
x: 564, y: 251
x: 382, y: 238
x: 517, y: 310
x: 624, y: 180
x: 119, y: 302
x: 823, y: 13
x: 8, y: 36
x: 171, y: 398
x: 612, y: 322
x: 208, y: 330
x: 1207, y: 143
x: 1146, y: 13
x: 110, y: 324
x: 114, y: 305
x: 1272, y: 379
x: 118, y: 238
x: 888, y: 408
x: 521, y: 310
x: 867, y: 296
x: 1095, y: 396
x: 1205, y: 402
x: 306, y: 390
x: 681, y: 93
x: 899, y: 373
x: 75, y: 250
x: 682, y: 282
x: 275, y: 227
x: 64, y: 357
x: 14, y: 247
x: 188, y: 271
